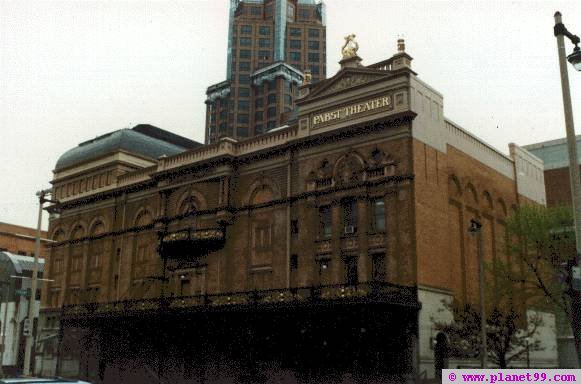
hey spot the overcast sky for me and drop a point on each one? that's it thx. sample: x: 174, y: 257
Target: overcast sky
x: 70, y: 71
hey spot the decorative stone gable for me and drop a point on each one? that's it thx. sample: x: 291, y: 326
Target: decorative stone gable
x: 348, y: 80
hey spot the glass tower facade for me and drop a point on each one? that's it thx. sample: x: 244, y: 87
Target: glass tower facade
x: 271, y: 43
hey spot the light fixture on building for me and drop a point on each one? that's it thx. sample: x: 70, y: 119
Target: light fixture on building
x: 575, y: 58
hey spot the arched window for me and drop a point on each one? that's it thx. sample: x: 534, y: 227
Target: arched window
x: 96, y: 246
x: 143, y: 260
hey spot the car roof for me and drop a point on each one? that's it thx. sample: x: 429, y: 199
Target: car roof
x: 32, y: 380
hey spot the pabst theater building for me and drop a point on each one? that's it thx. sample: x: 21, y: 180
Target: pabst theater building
x: 321, y: 248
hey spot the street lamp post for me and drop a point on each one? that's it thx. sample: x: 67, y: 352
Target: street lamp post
x: 575, y: 59
x: 5, y: 291
x: 32, y: 300
x: 476, y: 229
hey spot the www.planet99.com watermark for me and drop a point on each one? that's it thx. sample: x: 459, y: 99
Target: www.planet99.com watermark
x: 495, y: 376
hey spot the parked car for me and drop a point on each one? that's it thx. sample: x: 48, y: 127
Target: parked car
x: 33, y: 380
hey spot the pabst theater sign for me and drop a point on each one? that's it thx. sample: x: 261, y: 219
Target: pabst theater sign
x: 349, y: 111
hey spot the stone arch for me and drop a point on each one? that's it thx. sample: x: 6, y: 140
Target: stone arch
x: 97, y: 226
x: 454, y: 186
x: 262, y: 190
x: 487, y: 201
x: 471, y: 194
x: 77, y: 231
x: 349, y: 168
x: 58, y: 234
x: 188, y: 199
x: 143, y: 217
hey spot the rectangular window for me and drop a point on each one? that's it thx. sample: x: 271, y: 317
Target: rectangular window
x: 245, y: 54
x: 54, y: 297
x: 313, y: 32
x: 262, y: 236
x: 295, y: 32
x: 258, y: 103
x: 244, y: 66
x: 58, y: 265
x: 295, y: 56
x: 295, y: 44
x: 246, y: 29
x: 378, y: 215
x: 245, y: 41
x: 313, y: 57
x: 313, y: 45
x: 243, y: 105
x: 95, y: 260
x: 243, y: 92
x: 294, y: 227
x: 263, y: 55
x: 76, y: 262
x: 258, y: 116
x: 271, y: 124
x: 288, y: 100
x: 271, y: 98
x: 325, y: 220
x: 324, y: 272
x: 378, y: 267
x: 351, y: 277
x: 271, y: 112
x: 256, y: 11
x: 185, y: 287
x: 264, y: 43
x: 294, y: 262
x: 349, y: 216
x: 305, y: 13
x: 264, y: 30
x: 314, y: 69
x: 242, y: 131
x: 244, y: 79
x: 243, y: 118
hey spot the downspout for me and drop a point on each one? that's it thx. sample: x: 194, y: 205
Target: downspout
x: 288, y: 223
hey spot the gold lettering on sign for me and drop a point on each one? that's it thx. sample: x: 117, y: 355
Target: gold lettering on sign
x: 352, y: 110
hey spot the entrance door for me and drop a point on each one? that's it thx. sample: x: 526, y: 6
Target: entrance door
x: 351, y: 277
x: 378, y: 267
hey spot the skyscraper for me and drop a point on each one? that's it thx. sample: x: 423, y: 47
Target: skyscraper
x: 271, y: 44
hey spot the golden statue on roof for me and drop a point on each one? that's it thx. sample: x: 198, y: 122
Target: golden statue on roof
x: 350, y: 48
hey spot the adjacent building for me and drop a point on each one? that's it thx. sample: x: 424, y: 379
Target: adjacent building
x: 15, y: 283
x: 321, y: 249
x: 555, y: 156
x: 20, y: 240
x: 272, y: 44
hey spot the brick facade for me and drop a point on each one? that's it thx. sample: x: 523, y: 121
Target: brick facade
x: 357, y: 190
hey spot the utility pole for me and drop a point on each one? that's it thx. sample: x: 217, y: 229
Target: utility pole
x: 5, y: 291
x: 476, y: 229
x: 575, y: 59
x: 32, y: 300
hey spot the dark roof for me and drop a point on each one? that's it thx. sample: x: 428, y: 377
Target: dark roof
x: 21, y: 263
x: 143, y: 139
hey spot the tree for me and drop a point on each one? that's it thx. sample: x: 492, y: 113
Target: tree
x: 508, y: 332
x: 542, y: 242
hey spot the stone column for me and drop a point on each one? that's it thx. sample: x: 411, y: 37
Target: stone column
x: 362, y: 230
